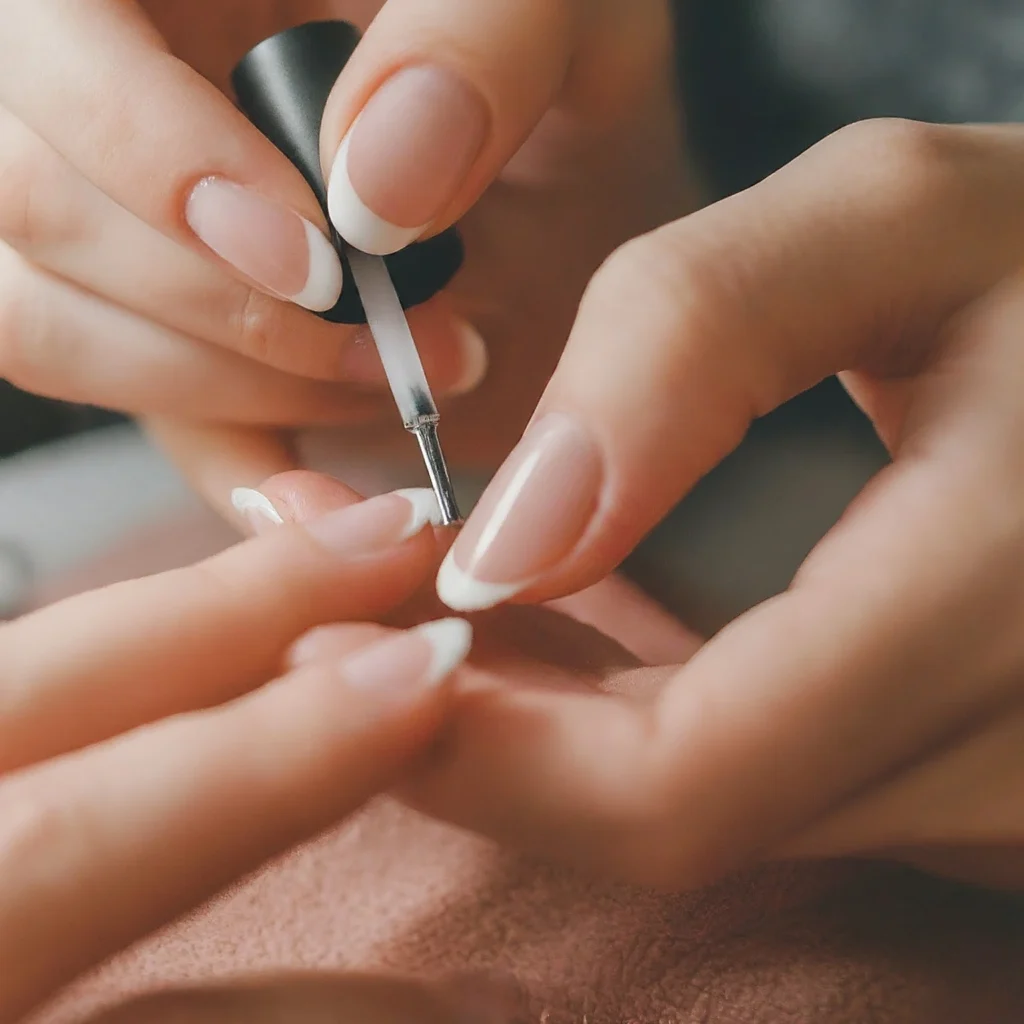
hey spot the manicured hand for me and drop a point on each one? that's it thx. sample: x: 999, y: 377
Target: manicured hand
x: 155, y: 746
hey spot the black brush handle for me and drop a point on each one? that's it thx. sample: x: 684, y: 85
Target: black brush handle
x: 282, y: 86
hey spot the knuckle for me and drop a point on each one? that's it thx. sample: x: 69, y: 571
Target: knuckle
x: 33, y: 183
x: 687, y: 290
x: 35, y: 826
x: 254, y: 324
x: 671, y: 276
x: 908, y: 161
x: 20, y: 322
x: 277, y: 334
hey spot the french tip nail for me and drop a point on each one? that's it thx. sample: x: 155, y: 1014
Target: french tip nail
x: 450, y: 642
x: 459, y: 591
x: 425, y: 509
x: 475, y: 360
x: 355, y: 221
x: 255, y: 507
x: 326, y: 278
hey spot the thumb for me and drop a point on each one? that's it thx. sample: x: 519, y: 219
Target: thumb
x: 436, y: 100
x: 850, y: 258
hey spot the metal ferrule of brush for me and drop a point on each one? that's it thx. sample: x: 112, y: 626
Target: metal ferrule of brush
x: 424, y: 428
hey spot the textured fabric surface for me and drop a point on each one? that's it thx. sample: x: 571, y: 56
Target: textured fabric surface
x: 391, y: 891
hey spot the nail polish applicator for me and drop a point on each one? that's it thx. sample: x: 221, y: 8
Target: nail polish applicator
x: 282, y: 86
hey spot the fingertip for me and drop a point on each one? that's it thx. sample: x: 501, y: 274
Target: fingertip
x: 354, y: 220
x: 461, y: 592
x: 255, y: 509
x: 325, y: 279
x: 300, y: 495
x: 450, y: 641
x: 474, y: 359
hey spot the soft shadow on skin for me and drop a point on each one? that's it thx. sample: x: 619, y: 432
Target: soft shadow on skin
x: 394, y: 892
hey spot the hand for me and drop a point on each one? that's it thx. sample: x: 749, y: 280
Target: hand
x: 876, y: 705
x: 146, y: 762
x: 114, y: 257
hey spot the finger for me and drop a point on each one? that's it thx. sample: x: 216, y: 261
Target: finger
x: 964, y: 795
x: 101, y: 847
x: 61, y: 222
x: 165, y: 144
x: 301, y: 495
x: 359, y: 999
x: 433, y: 104
x: 216, y: 459
x: 729, y: 313
x: 60, y: 342
x: 145, y: 649
x: 899, y: 636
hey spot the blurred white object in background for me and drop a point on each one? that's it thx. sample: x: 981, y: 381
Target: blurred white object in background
x: 65, y: 502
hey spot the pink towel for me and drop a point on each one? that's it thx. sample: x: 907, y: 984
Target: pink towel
x: 392, y: 891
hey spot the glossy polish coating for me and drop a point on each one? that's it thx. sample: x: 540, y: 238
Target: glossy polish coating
x: 529, y: 519
x: 281, y: 251
x: 282, y: 86
x: 405, y: 158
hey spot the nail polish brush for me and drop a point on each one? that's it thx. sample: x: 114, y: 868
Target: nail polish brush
x: 282, y: 86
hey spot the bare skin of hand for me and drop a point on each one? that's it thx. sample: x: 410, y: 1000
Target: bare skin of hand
x: 154, y: 746
x: 566, y: 741
x: 101, y: 263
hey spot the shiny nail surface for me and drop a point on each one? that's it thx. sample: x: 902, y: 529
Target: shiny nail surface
x: 256, y: 509
x: 376, y: 524
x: 405, y: 158
x: 475, y: 360
x: 275, y: 247
x: 529, y: 519
x: 416, y: 659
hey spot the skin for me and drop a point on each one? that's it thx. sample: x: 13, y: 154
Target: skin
x: 889, y: 673
x: 105, y: 786
x: 649, y: 766
x: 780, y: 939
x: 213, y: 364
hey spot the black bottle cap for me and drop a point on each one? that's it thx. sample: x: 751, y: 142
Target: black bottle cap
x: 282, y: 86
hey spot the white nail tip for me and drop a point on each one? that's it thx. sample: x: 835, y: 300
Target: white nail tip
x: 324, y: 282
x: 425, y: 509
x: 450, y: 641
x: 462, y: 593
x: 355, y: 221
x: 247, y: 502
x: 475, y: 361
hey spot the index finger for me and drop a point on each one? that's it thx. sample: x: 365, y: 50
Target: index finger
x: 901, y: 630
x: 98, y: 83
x: 95, y: 665
x: 100, y: 847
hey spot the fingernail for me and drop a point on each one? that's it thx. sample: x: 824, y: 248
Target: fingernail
x: 281, y: 251
x: 530, y: 517
x: 416, y: 659
x: 474, y: 359
x: 360, y: 363
x: 377, y: 524
x: 405, y: 158
x: 257, y: 509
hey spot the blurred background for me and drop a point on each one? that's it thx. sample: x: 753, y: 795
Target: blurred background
x: 763, y: 80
